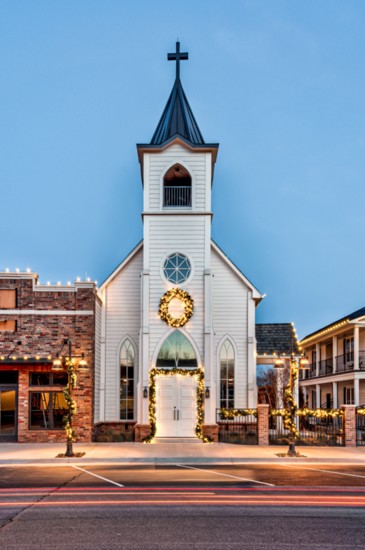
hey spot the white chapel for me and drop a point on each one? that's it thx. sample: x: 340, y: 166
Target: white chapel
x: 176, y: 319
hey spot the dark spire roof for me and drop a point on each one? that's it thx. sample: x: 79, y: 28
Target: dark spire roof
x: 177, y: 119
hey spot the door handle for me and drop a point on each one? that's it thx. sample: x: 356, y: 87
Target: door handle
x: 178, y: 415
x: 175, y: 413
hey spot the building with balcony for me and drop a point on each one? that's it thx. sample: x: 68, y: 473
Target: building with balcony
x: 336, y: 355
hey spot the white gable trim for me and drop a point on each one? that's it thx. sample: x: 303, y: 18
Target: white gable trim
x: 255, y: 293
x: 119, y: 268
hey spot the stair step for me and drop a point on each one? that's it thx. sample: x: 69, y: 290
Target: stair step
x: 187, y: 440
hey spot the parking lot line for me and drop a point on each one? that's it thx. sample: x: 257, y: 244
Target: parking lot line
x: 226, y: 475
x: 96, y: 475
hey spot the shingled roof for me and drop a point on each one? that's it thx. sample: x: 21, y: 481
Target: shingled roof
x: 276, y: 338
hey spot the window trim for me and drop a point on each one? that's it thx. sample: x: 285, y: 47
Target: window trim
x: 220, y: 347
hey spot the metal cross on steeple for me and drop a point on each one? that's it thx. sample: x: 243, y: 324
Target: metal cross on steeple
x: 178, y: 56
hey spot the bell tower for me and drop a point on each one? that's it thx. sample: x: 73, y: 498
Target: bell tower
x: 177, y: 172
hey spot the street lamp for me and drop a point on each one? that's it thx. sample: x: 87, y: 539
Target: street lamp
x: 58, y: 365
x: 297, y: 363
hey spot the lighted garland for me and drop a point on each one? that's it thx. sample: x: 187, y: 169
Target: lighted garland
x: 199, y: 373
x: 182, y: 295
x: 317, y: 413
x: 71, y: 403
x: 229, y: 414
x: 360, y: 411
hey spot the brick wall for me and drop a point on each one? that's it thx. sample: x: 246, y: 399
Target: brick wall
x: 43, y: 336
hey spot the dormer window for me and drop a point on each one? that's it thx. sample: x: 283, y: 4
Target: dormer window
x: 177, y: 188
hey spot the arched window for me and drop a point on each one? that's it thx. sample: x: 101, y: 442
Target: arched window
x: 226, y: 362
x: 127, y: 381
x: 176, y: 352
x: 177, y: 187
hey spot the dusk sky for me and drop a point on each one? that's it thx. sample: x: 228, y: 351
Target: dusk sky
x: 279, y: 84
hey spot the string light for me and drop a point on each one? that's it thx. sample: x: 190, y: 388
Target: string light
x: 199, y: 373
x: 179, y: 294
x: 324, y: 331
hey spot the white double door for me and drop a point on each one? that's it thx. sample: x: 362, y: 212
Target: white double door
x: 176, y: 409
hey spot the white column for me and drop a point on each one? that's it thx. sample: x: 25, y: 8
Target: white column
x: 318, y: 395
x: 334, y: 353
x: 210, y: 403
x: 335, y: 394
x: 251, y: 354
x: 305, y: 394
x: 318, y: 355
x: 103, y: 357
x: 279, y: 388
x: 357, y: 392
x: 356, y: 348
x: 144, y: 354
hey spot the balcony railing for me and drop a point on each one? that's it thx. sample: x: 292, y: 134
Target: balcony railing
x: 344, y: 363
x: 326, y: 366
x: 177, y: 196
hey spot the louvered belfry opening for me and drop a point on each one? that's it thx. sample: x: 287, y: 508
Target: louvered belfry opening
x: 177, y: 188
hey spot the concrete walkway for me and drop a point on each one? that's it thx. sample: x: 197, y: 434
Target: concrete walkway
x: 172, y: 453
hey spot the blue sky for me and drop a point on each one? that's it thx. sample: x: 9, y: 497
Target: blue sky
x: 279, y: 84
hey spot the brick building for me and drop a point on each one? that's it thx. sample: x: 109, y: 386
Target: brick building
x: 35, y: 321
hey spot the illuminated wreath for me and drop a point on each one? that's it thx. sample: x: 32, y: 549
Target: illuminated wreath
x: 164, y: 307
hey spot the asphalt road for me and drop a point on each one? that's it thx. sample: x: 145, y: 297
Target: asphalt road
x: 181, y: 507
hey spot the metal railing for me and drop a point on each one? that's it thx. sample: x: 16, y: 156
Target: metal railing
x: 326, y: 366
x: 313, y: 430
x: 241, y: 430
x: 360, y: 427
x: 177, y: 196
x: 343, y: 363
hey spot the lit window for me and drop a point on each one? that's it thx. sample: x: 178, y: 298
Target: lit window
x: 226, y: 360
x: 176, y: 352
x: 127, y: 381
x: 177, y: 268
x: 8, y: 326
x: 7, y: 298
x: 47, y: 410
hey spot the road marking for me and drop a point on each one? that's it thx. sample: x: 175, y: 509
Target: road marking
x: 330, y: 472
x: 96, y: 475
x: 225, y: 475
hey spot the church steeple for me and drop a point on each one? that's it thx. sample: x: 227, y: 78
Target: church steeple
x: 177, y: 118
x: 177, y: 123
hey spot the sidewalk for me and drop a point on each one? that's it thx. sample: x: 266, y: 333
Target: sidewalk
x: 136, y: 454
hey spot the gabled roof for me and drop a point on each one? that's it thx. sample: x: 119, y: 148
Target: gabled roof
x: 276, y: 339
x: 336, y: 324
x: 177, y: 119
x: 256, y: 294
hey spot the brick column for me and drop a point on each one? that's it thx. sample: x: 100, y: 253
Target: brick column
x: 350, y: 425
x: 141, y: 431
x: 263, y: 424
x: 211, y: 431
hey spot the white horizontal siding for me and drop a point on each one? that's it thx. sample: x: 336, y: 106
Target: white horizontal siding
x: 230, y: 317
x: 123, y: 312
x: 168, y: 235
x: 159, y: 164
